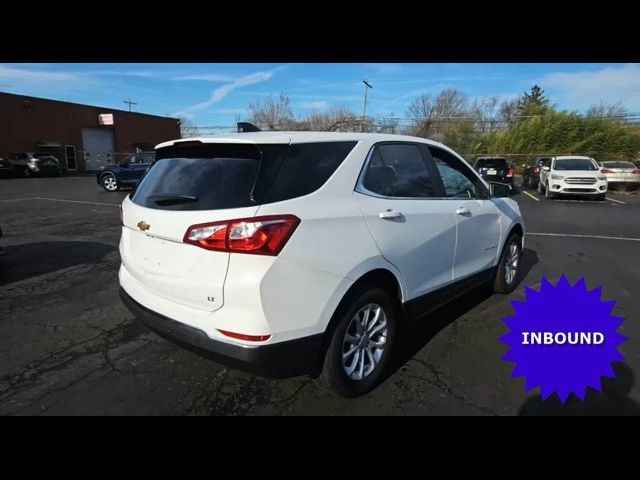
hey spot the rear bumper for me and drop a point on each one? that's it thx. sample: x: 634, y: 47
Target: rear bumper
x: 277, y: 360
x: 495, y: 178
x: 615, y: 180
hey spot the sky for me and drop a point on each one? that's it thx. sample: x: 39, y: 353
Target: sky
x: 219, y: 94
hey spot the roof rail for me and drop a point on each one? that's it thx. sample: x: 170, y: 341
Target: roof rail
x: 247, y: 127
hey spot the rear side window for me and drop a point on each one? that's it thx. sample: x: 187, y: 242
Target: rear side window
x: 220, y: 176
x: 300, y: 170
x: 398, y: 170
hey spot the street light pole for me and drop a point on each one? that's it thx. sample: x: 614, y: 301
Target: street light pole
x: 367, y: 86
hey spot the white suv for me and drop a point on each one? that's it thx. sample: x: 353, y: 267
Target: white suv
x: 301, y: 253
x: 572, y: 175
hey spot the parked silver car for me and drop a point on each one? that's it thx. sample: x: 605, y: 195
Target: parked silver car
x: 29, y: 164
x: 621, y: 173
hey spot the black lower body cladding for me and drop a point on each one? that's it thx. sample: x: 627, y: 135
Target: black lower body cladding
x: 291, y: 358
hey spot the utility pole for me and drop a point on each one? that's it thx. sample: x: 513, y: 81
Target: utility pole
x: 367, y: 86
x: 130, y: 103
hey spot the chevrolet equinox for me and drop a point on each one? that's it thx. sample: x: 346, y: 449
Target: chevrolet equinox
x: 303, y: 253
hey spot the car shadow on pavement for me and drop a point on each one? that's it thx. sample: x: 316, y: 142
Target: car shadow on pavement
x: 33, y: 259
x: 414, y: 336
x: 613, y: 400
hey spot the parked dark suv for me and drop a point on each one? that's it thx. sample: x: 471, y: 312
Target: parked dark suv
x: 495, y: 169
x: 531, y: 172
x: 126, y: 173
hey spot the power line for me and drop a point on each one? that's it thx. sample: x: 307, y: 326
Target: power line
x: 130, y: 103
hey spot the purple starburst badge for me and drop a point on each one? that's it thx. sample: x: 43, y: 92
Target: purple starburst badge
x: 563, y: 339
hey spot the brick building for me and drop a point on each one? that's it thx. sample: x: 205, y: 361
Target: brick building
x: 82, y: 137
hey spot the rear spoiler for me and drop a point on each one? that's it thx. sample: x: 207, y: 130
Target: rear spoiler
x: 247, y: 127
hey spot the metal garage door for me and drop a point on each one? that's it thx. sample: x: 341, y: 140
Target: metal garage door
x: 98, y: 146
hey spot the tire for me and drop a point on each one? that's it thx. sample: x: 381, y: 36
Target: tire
x: 360, y: 302
x: 532, y: 183
x: 109, y: 182
x: 504, y: 283
x: 547, y: 193
x: 540, y: 188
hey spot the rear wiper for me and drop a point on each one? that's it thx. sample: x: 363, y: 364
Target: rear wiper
x: 172, y: 198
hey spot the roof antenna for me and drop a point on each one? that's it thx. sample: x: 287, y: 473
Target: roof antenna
x: 244, y: 127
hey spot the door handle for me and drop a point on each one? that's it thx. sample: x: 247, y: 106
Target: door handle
x: 463, y: 211
x: 388, y: 214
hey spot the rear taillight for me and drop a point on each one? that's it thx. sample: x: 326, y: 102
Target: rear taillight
x: 258, y: 235
x: 510, y: 172
x: 606, y: 170
x: 536, y: 170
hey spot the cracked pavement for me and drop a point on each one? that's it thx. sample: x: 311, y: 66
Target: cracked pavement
x: 69, y: 346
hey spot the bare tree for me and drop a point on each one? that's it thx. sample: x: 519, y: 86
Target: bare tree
x: 431, y: 116
x: 272, y: 113
x: 331, y: 119
x: 187, y: 128
x: 421, y: 111
x: 604, y: 109
x: 485, y: 112
x: 508, y: 111
x: 451, y: 103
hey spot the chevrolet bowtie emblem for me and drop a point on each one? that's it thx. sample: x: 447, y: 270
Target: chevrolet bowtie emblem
x: 143, y: 226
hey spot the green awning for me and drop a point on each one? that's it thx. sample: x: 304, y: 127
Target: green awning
x: 49, y: 144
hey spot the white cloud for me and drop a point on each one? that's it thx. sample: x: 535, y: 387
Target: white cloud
x: 126, y: 73
x: 579, y: 90
x: 34, y: 76
x: 205, y: 77
x: 222, y: 91
x: 230, y: 111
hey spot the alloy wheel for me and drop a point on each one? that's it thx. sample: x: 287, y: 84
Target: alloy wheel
x: 110, y: 183
x: 364, y: 341
x: 511, y: 263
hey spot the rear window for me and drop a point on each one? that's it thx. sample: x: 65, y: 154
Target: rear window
x: 220, y: 176
x: 574, y: 164
x: 492, y: 163
x: 618, y: 165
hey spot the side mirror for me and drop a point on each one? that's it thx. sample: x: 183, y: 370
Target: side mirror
x: 546, y: 169
x: 499, y: 190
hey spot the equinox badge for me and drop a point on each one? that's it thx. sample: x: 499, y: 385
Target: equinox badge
x: 143, y: 226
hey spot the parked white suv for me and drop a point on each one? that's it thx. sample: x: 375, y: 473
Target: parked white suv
x: 301, y: 253
x: 572, y: 175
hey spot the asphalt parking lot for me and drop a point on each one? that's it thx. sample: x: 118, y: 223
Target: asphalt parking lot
x: 69, y: 346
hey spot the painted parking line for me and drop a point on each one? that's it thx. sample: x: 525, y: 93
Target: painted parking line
x: 60, y: 200
x: 531, y: 196
x: 570, y: 235
x: 617, y: 201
